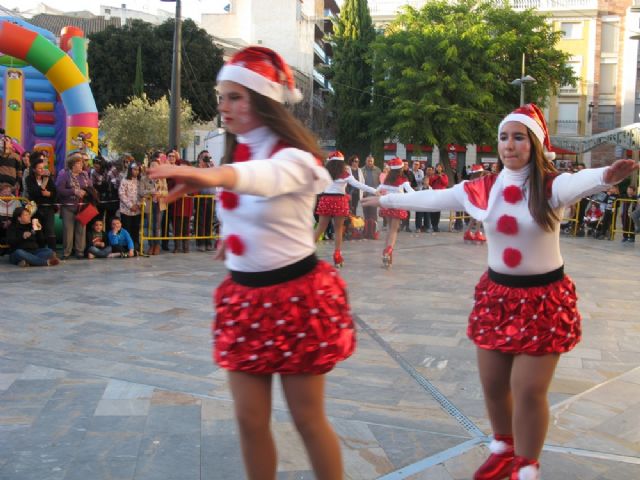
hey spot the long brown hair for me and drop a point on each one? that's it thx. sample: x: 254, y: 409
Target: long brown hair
x: 287, y: 127
x: 393, y: 176
x: 541, y: 172
x: 336, y: 168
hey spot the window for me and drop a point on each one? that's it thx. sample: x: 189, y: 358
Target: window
x: 609, y: 40
x: 571, y: 30
x: 567, y: 119
x: 608, y: 78
x: 607, y: 117
x: 575, y: 63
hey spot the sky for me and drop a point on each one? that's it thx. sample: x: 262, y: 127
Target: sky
x: 190, y: 8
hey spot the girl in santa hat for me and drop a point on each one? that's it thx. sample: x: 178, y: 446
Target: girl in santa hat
x: 280, y: 310
x: 334, y: 201
x: 394, y: 182
x: 525, y: 312
x: 474, y: 233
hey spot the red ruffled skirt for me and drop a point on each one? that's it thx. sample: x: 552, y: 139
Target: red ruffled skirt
x: 333, y: 206
x: 534, y: 320
x: 300, y: 326
x: 394, y: 213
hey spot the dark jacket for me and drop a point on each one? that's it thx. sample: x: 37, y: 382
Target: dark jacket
x: 35, y: 191
x: 16, y: 240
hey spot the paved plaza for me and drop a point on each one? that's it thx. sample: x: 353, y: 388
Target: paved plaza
x: 106, y: 371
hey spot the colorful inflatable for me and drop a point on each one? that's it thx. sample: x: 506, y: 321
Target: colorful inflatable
x: 46, y: 102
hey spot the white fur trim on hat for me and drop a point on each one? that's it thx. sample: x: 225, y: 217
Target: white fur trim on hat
x: 258, y: 83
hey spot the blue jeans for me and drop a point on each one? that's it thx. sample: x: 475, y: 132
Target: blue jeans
x: 37, y: 258
x: 99, y: 252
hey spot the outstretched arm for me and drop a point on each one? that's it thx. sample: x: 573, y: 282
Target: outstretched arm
x: 190, y: 179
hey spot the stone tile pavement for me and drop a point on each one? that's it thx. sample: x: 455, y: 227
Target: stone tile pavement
x: 106, y: 372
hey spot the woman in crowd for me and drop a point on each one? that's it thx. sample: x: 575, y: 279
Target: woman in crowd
x: 281, y: 310
x: 154, y: 191
x: 204, y: 209
x: 129, y: 193
x: 394, y: 182
x: 42, y: 190
x: 334, y: 202
x: 525, y: 314
x: 72, y: 184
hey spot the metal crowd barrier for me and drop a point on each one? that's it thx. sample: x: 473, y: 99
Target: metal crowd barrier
x: 182, y: 225
x: 575, y: 219
x: 616, y: 205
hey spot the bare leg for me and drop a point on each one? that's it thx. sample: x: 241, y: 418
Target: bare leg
x: 305, y: 397
x: 495, y: 375
x: 321, y: 227
x: 252, y: 401
x: 530, y: 380
x: 338, y: 225
x: 392, y: 233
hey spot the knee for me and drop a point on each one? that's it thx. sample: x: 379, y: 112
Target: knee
x: 252, y: 423
x: 530, y: 395
x: 309, y: 425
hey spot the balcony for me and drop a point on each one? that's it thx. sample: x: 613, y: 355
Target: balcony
x: 319, y: 51
x: 567, y: 127
x: 554, y: 5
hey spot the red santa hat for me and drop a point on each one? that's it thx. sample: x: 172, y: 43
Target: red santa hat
x: 395, y: 163
x: 263, y: 71
x: 337, y: 155
x: 476, y: 168
x: 531, y: 117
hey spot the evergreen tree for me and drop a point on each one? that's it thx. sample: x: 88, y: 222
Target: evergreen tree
x: 350, y: 76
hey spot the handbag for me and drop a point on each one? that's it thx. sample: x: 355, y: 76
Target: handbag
x: 87, y: 213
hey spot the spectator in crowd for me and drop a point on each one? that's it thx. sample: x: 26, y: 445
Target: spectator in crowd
x: 23, y: 172
x: 635, y: 215
x: 26, y: 241
x: 120, y: 241
x: 204, y: 209
x: 153, y: 193
x: 97, y: 241
x: 418, y: 173
x: 355, y: 193
x: 372, y: 179
x: 8, y: 204
x: 438, y: 180
x: 169, y: 226
x: 72, y: 185
x: 9, y: 163
x: 605, y: 225
x: 404, y: 225
x: 592, y: 217
x: 627, y: 210
x: 129, y: 193
x: 42, y: 191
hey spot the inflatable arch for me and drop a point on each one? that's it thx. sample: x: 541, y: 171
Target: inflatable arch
x: 38, y: 129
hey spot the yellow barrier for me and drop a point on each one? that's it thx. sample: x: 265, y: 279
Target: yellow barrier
x: 176, y: 226
x: 453, y: 216
x: 575, y: 219
x: 617, y: 204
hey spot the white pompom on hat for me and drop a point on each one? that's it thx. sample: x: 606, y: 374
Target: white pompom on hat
x: 395, y: 163
x: 533, y: 118
x: 264, y: 71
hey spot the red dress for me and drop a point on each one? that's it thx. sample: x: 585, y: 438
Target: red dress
x: 394, y: 212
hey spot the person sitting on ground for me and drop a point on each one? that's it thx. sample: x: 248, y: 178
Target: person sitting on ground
x: 120, y: 241
x: 97, y: 242
x: 7, y: 206
x: 26, y: 240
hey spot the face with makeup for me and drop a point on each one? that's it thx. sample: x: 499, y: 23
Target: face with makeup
x: 234, y: 105
x: 514, y: 145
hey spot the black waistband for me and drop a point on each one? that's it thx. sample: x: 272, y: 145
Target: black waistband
x: 525, y: 281
x: 279, y: 275
x: 332, y: 194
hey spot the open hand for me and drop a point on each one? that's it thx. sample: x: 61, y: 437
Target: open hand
x: 371, y: 201
x: 619, y: 170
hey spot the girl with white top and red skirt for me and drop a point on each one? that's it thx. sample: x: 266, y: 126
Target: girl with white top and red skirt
x: 525, y: 313
x: 394, y: 182
x: 280, y: 310
x: 334, y: 201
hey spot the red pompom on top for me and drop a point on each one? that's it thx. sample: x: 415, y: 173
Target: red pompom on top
x: 241, y: 153
x: 229, y: 200
x: 511, y: 257
x: 234, y: 244
x: 512, y: 194
x: 508, y: 225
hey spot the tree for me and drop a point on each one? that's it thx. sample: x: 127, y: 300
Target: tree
x: 445, y: 70
x: 138, y: 83
x: 141, y: 125
x: 112, y: 64
x: 350, y: 76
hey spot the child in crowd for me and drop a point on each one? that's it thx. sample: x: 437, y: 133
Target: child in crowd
x: 7, y: 207
x: 97, y: 242
x: 592, y: 216
x: 26, y: 240
x: 474, y: 233
x: 120, y: 241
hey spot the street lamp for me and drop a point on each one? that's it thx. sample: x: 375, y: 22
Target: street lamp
x: 522, y: 81
x: 174, y: 114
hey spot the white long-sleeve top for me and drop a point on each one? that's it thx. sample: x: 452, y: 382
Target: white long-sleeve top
x: 339, y: 185
x: 388, y: 189
x: 516, y: 243
x: 274, y: 215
